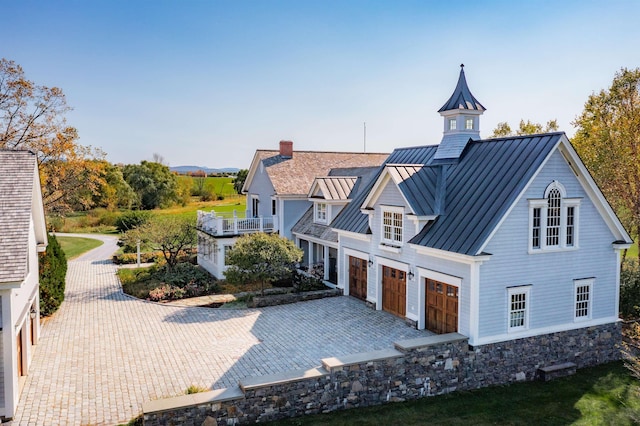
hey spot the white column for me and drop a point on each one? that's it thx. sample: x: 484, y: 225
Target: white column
x: 326, y: 263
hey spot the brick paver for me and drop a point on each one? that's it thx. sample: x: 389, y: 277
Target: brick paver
x: 104, y: 353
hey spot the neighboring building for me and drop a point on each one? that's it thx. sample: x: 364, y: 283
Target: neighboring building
x: 22, y: 236
x: 497, y: 239
x: 277, y: 188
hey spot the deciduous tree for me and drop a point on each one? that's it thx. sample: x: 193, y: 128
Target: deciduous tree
x: 153, y: 183
x: 525, y: 128
x: 608, y: 141
x: 33, y: 117
x: 171, y: 235
x: 262, y: 258
x: 238, y: 182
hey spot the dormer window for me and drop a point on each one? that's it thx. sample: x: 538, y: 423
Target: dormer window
x: 553, y: 220
x: 468, y: 123
x: 321, y: 212
x: 452, y: 124
x: 392, y: 225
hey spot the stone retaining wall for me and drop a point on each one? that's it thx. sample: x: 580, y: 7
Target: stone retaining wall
x: 414, y: 369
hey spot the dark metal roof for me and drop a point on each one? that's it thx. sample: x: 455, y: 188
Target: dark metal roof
x: 462, y: 97
x: 479, y: 189
x: 418, y: 186
x: 351, y: 218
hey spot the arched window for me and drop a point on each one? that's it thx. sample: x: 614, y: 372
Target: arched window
x: 553, y: 220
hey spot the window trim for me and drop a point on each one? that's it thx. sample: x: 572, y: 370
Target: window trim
x: 452, y: 124
x: 542, y: 205
x: 466, y: 123
x: 393, y: 210
x: 583, y: 282
x: 511, y: 291
x: 318, y: 209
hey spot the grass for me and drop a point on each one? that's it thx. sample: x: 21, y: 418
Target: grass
x: 603, y: 395
x: 632, y: 253
x: 75, y: 246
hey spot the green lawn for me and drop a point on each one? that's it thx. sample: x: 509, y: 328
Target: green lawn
x: 75, y: 246
x: 632, y: 253
x: 604, y: 395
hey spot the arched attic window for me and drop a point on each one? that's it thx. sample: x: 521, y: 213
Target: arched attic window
x: 553, y: 220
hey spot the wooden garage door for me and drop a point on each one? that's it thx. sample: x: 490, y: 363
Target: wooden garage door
x: 394, y: 291
x: 357, y: 278
x: 441, y: 307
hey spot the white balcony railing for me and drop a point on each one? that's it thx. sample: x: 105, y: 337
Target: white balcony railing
x: 218, y: 224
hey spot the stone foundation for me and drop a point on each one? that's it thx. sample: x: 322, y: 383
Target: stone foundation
x: 414, y: 369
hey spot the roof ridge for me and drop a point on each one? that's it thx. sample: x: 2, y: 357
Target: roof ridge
x: 326, y: 152
x: 532, y: 135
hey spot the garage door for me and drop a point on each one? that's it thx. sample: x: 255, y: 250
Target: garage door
x: 441, y: 307
x: 394, y: 291
x: 357, y: 277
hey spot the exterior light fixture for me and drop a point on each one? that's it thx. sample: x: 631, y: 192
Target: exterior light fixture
x: 370, y: 261
x: 32, y: 313
x: 410, y: 275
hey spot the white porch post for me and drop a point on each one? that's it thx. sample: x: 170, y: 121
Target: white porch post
x: 261, y: 224
x: 312, y: 253
x: 326, y: 263
x: 219, y: 225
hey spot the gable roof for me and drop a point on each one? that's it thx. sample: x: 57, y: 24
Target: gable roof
x: 462, y: 97
x: 20, y: 197
x: 480, y: 189
x: 294, y: 175
x: 332, y: 188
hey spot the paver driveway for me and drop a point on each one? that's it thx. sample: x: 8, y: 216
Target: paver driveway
x: 103, y: 353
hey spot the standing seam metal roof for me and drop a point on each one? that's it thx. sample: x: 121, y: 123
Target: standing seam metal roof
x: 462, y: 97
x: 479, y: 190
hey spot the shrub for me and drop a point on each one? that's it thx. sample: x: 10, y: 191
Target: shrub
x: 132, y: 219
x: 103, y: 217
x: 630, y: 289
x: 195, y: 389
x: 56, y: 223
x: 166, y: 292
x: 53, y: 271
x: 131, y: 258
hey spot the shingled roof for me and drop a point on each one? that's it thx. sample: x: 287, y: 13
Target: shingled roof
x: 19, y: 183
x: 479, y: 190
x: 294, y: 175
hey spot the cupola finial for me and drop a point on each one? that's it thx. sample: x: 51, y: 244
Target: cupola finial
x: 461, y: 65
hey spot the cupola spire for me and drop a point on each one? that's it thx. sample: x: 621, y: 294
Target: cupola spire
x: 461, y: 115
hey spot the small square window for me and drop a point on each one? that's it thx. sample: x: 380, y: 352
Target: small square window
x: 468, y: 124
x: 321, y: 212
x: 452, y: 124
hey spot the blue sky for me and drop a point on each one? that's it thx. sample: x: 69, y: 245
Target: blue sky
x: 209, y: 82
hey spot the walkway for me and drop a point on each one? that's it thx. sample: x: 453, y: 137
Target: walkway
x: 103, y: 353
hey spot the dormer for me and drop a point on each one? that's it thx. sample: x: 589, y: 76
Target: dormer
x: 461, y: 114
x: 329, y: 195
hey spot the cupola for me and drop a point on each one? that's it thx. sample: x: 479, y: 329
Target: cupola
x: 461, y: 115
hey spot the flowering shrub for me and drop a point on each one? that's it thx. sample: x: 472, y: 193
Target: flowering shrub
x: 166, y: 292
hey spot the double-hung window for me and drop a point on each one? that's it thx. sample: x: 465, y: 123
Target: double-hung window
x: 321, y: 212
x: 392, y: 222
x: 583, y: 298
x: 518, y: 299
x: 553, y: 220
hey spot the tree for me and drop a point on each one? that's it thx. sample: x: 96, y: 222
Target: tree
x: 114, y: 192
x: 262, y: 258
x: 153, y: 183
x: 608, y: 142
x: 53, y: 271
x: 238, y: 182
x: 526, y: 128
x: 32, y: 117
x: 171, y: 235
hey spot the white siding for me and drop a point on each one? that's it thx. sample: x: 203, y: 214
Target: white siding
x: 551, y: 274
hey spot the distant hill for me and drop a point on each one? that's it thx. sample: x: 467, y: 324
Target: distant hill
x: 183, y: 170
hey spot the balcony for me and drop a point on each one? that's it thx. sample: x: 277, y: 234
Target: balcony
x: 217, y: 224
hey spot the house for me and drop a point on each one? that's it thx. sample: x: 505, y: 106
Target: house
x: 277, y: 188
x: 22, y: 236
x: 505, y: 239
x: 313, y: 233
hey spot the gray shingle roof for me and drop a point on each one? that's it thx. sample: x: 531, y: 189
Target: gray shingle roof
x: 294, y: 176
x: 17, y: 179
x: 306, y: 226
x: 462, y: 97
x: 479, y: 189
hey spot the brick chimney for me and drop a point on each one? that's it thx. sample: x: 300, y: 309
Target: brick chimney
x: 286, y: 149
